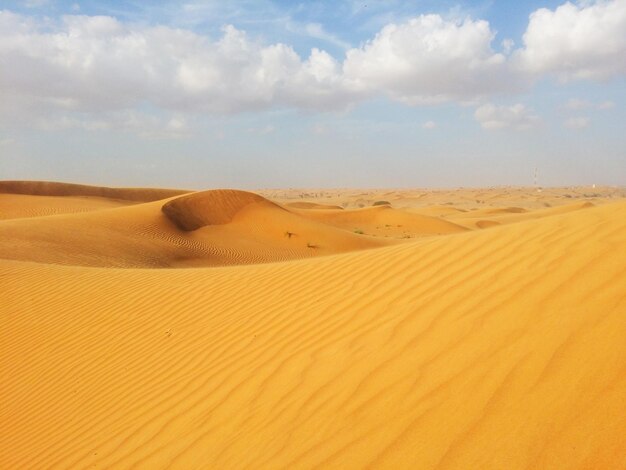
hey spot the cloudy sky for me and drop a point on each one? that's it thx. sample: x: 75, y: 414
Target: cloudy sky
x: 341, y: 93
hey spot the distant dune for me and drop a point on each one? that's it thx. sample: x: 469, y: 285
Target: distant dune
x: 385, y: 220
x: 51, y: 188
x: 474, y: 336
x: 312, y: 205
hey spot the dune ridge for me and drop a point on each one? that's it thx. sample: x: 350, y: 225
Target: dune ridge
x: 499, y: 348
x: 54, y: 188
x: 20, y: 206
x: 213, y: 207
x: 219, y: 227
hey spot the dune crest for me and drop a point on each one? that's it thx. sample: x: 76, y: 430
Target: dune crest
x: 212, y: 207
x: 53, y: 188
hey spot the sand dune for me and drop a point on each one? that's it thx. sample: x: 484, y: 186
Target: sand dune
x: 215, y: 207
x: 311, y: 205
x: 476, y: 218
x: 384, y: 220
x: 53, y: 188
x: 18, y: 206
x: 218, y: 228
x: 493, y: 349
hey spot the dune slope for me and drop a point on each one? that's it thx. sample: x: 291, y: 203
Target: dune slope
x: 19, y: 206
x: 209, y: 228
x: 384, y: 220
x: 56, y: 189
x: 492, y: 349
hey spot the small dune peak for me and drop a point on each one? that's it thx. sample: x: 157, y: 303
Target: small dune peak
x: 213, y: 207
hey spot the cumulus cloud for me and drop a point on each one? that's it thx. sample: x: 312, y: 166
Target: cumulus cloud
x: 507, y: 45
x: 517, y: 117
x: 97, y: 63
x: 576, y: 104
x: 583, y: 41
x: 429, y: 60
x: 579, y: 122
x: 92, y: 69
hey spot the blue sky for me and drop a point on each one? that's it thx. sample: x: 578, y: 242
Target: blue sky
x: 257, y: 94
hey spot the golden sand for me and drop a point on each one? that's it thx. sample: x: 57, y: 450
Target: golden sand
x: 467, y: 329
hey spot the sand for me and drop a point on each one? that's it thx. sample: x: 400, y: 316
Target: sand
x: 129, y: 341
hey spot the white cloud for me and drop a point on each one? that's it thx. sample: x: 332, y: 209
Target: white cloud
x: 576, y: 104
x: 97, y: 68
x: 507, y: 46
x: 606, y: 105
x: 584, y: 41
x: 98, y: 64
x: 429, y: 125
x: 517, y: 117
x: 428, y: 59
x: 579, y: 122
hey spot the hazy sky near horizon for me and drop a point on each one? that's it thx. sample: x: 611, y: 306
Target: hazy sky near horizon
x: 258, y: 94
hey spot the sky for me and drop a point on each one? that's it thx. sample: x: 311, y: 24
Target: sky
x: 336, y: 94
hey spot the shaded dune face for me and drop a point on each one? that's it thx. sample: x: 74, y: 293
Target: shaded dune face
x: 213, y: 207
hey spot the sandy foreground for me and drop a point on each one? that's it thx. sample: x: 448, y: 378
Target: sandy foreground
x: 428, y: 329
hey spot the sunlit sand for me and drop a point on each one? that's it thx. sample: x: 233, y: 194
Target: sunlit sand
x: 462, y: 329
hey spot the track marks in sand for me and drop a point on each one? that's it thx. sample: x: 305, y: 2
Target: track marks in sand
x: 494, y: 349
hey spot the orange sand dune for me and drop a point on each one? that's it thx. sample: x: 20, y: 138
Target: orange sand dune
x: 215, y: 207
x: 528, y: 198
x: 476, y: 218
x: 494, y: 349
x: 311, y: 205
x: 384, y: 220
x: 208, y: 228
x: 52, y: 188
x: 436, y: 210
x: 18, y: 206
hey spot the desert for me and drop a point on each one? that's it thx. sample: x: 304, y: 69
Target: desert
x: 326, y: 234
x: 465, y: 328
